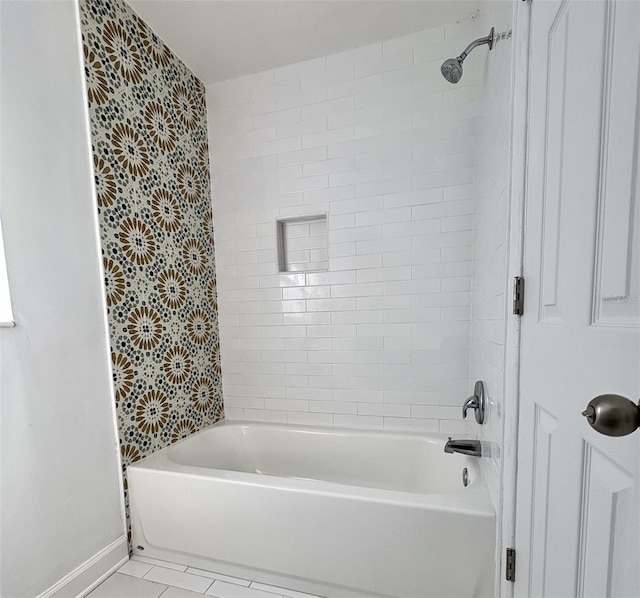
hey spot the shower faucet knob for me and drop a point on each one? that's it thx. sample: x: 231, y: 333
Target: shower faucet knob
x: 476, y: 402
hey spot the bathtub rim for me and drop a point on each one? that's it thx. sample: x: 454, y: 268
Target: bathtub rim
x: 472, y: 500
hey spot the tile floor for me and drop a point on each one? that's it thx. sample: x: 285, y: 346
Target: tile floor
x: 143, y: 577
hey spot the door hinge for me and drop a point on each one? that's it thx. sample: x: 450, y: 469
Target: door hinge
x: 510, y: 565
x: 518, y: 295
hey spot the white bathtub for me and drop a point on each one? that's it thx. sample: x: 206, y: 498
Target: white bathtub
x: 321, y: 510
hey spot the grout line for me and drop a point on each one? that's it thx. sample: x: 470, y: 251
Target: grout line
x: 209, y: 586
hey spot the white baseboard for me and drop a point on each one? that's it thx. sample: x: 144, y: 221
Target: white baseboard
x: 88, y: 575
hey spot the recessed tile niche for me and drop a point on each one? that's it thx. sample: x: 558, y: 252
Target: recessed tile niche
x: 302, y: 244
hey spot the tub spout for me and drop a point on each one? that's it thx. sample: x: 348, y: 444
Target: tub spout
x: 464, y: 447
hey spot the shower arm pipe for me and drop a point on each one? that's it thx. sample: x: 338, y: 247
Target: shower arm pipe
x: 489, y: 39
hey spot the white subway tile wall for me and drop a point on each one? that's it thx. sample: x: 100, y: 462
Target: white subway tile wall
x: 380, y: 142
x: 489, y: 300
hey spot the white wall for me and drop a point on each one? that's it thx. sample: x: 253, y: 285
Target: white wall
x: 61, y: 500
x: 376, y: 138
x: 491, y: 296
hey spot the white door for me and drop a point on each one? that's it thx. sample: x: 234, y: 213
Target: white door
x: 578, y: 498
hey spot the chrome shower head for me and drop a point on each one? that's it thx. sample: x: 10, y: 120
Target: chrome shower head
x: 451, y: 68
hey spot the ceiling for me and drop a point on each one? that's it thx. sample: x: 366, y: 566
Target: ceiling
x: 224, y: 39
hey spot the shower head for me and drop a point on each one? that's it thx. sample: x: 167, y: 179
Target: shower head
x: 451, y: 68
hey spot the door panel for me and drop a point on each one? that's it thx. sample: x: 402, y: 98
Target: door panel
x: 606, y: 509
x: 545, y: 426
x: 550, y: 311
x: 577, y: 522
x: 617, y: 285
x: 617, y: 288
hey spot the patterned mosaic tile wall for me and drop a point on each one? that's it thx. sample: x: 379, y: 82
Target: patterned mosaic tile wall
x: 149, y: 132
